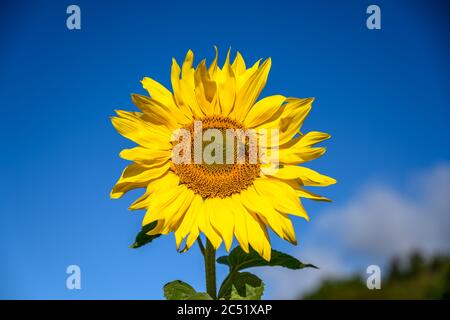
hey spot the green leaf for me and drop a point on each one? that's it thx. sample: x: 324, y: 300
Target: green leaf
x: 238, y: 260
x: 200, y: 296
x: 179, y: 290
x: 245, y: 286
x: 142, y: 238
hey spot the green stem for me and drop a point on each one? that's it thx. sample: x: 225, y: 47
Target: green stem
x: 201, y: 246
x: 210, y: 269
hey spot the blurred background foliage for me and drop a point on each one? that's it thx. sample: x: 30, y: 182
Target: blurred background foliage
x: 412, y: 278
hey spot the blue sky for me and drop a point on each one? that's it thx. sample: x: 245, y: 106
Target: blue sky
x: 382, y: 94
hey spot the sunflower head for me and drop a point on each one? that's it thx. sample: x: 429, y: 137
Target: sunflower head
x: 214, y: 159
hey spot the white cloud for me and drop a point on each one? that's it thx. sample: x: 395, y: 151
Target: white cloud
x: 377, y: 223
x: 381, y: 222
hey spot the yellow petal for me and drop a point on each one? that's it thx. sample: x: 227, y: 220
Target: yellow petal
x: 136, y: 174
x: 238, y: 65
x: 157, y: 91
x: 307, y: 176
x: 293, y: 156
x: 204, y: 224
x: 242, y: 78
x: 264, y: 110
x: 288, y: 228
x: 240, y: 225
x: 154, y: 129
x: 120, y: 189
x: 309, y: 139
x: 258, y: 236
x: 281, y: 195
x: 178, y: 90
x: 134, y: 177
x: 297, y: 185
x: 227, y: 87
x: 310, y: 195
x: 186, y: 69
x: 205, y: 89
x: 192, y: 237
x: 145, y: 156
x: 158, y: 229
x: 175, y: 80
x: 167, y: 181
x: 296, y: 111
x: 189, y: 223
x: 166, y: 203
x: 299, y: 150
x: 187, y: 85
x: 291, y: 119
x: 250, y: 90
x: 157, y: 113
x: 212, y: 70
x: 131, y: 126
x: 180, y: 212
x: 222, y: 219
x: 256, y: 203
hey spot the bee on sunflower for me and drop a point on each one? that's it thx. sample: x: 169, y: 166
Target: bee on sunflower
x: 202, y: 194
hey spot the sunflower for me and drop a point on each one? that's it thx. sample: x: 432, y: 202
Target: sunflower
x: 222, y: 201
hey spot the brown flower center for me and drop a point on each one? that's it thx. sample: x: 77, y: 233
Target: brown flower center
x: 222, y: 179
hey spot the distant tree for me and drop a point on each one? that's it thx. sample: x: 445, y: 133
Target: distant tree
x: 416, y: 263
x: 418, y: 279
x: 395, y: 271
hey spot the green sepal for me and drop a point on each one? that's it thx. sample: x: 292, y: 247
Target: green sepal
x: 142, y: 238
